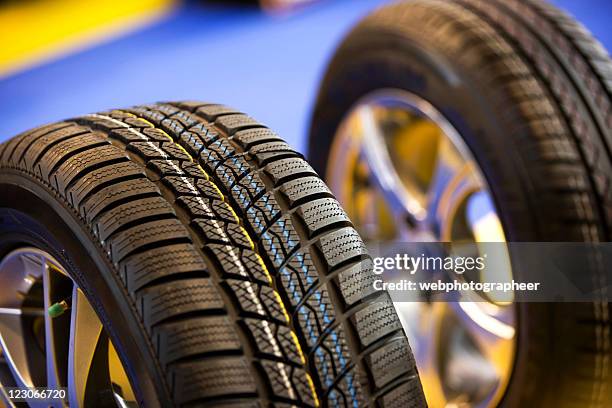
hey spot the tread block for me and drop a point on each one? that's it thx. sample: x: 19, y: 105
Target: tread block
x: 357, y: 282
x: 82, y: 162
x: 269, y: 151
x: 125, y: 242
x: 306, y: 318
x: 298, y: 277
x: 137, y: 122
x: 172, y: 299
x: 241, y: 262
x: 231, y: 170
x: 273, y: 339
x: 186, y: 118
x: 279, y: 240
x: 216, y: 153
x: 247, y: 189
x: 300, y: 189
x: 208, y: 189
x: 320, y: 214
x: 336, y: 398
x: 100, y: 177
x: 257, y: 299
x: 324, y: 367
x: 166, y: 167
x: 3, y: 146
x: 177, y: 124
x: 249, y: 137
x: 127, y: 135
x: 175, y: 151
x: 283, y: 170
x: 118, y: 114
x: 195, y: 336
x: 152, y: 115
x: 165, y: 109
x: 317, y: 306
x: 207, y: 132
x: 181, y: 185
x: 288, y: 382
x: 130, y: 212
x: 156, y: 134
x: 230, y: 124
x: 7, y: 148
x: 63, y: 150
x: 101, y: 121
x: 212, y: 112
x: 193, y: 169
x: 192, y: 142
x: 18, y: 146
x: 189, y: 105
x: 143, y: 268
x: 263, y: 212
x: 347, y: 392
x: 342, y: 245
x: 114, y: 193
x: 376, y: 320
x: 43, y: 144
x: 199, y: 207
x: 212, y: 378
x: 407, y: 395
x: 391, y: 361
x: 148, y: 150
x: 215, y: 231
x: 334, y: 354
x: 302, y: 387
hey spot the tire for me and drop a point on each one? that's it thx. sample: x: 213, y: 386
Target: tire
x: 530, y: 92
x: 220, y: 264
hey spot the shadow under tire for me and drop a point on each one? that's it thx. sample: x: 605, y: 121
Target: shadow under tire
x: 220, y: 264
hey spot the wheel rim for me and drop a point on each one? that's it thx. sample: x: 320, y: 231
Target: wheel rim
x: 51, y: 337
x: 404, y: 174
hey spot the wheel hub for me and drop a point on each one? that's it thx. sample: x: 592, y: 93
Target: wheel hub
x: 405, y: 175
x: 50, y: 336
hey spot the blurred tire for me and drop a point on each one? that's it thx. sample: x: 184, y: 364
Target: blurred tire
x: 530, y: 92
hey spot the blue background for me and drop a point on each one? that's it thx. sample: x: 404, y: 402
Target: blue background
x: 267, y: 66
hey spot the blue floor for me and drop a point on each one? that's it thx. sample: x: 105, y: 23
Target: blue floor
x: 267, y: 66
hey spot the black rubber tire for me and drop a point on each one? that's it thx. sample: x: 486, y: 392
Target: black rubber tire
x: 221, y: 265
x: 530, y: 91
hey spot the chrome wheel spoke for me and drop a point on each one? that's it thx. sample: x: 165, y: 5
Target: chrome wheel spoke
x: 13, y: 340
x: 403, y: 204
x: 85, y: 335
x: 483, y: 219
x: 20, y: 272
x: 451, y: 185
x: 492, y: 334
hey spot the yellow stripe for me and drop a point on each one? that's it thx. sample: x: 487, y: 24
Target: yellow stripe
x: 32, y: 31
x: 237, y: 219
x: 208, y: 178
x: 246, y: 235
x: 294, y: 337
x: 181, y: 148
